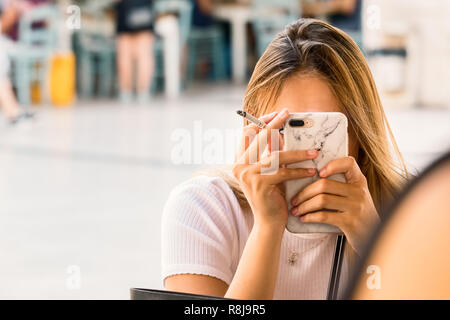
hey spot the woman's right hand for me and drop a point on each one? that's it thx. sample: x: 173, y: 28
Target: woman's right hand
x: 260, y: 170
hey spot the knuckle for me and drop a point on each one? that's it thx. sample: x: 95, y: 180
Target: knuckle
x: 287, y: 173
x: 357, y: 191
x: 303, y: 154
x: 322, y: 200
x: 321, y: 217
x: 351, y: 160
x: 242, y: 176
x: 236, y: 171
x: 360, y: 206
x: 246, y: 176
x: 364, y: 179
x: 255, y: 181
x: 322, y: 185
x: 283, y: 172
x: 302, y: 173
x: 363, y: 194
x: 242, y: 173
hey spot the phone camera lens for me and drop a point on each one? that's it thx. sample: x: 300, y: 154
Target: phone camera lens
x: 296, y: 123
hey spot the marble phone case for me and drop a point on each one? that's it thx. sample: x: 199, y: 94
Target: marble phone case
x: 328, y: 135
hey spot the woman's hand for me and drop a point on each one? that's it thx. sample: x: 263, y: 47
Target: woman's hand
x: 264, y: 189
x: 353, y: 209
x: 260, y: 170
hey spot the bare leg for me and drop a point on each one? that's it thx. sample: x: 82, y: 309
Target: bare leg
x: 125, y: 62
x: 145, y: 61
x: 8, y: 100
x: 184, y: 63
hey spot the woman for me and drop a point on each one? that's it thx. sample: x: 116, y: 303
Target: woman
x: 225, y: 235
x: 343, y: 14
x: 202, y: 13
x: 10, y: 13
x: 8, y: 101
x: 135, y: 40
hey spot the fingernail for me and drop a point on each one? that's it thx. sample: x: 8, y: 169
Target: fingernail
x: 294, y: 211
x: 311, y: 152
x: 294, y: 201
x: 311, y: 171
x: 323, y: 172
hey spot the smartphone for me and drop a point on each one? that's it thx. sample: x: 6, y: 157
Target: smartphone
x: 325, y: 132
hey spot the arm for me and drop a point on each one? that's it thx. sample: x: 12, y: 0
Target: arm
x: 255, y: 277
x: 206, y: 6
x: 315, y: 8
x: 196, y: 284
x: 256, y: 274
x: 9, y: 18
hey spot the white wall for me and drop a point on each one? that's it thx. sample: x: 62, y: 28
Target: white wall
x: 424, y: 27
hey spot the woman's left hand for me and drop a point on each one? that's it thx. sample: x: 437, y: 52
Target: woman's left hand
x: 353, y: 209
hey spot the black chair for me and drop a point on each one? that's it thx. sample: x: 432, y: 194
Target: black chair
x: 151, y: 294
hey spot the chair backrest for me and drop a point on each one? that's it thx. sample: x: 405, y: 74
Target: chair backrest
x: 182, y: 9
x: 152, y: 294
x: 270, y: 17
x: 38, y: 26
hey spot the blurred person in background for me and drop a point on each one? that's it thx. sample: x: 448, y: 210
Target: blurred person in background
x: 10, y: 12
x: 135, y: 40
x: 202, y: 13
x: 8, y: 101
x: 343, y: 14
x: 201, y: 19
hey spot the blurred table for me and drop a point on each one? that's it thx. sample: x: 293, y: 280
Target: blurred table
x: 238, y: 15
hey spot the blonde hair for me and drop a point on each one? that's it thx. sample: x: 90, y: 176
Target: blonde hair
x: 310, y: 45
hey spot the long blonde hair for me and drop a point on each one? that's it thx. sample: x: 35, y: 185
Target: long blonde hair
x: 309, y: 45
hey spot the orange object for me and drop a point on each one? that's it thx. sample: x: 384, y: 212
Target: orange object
x: 35, y: 93
x: 62, y: 79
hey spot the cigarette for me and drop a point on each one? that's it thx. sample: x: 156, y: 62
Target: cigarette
x: 255, y: 120
x: 251, y: 118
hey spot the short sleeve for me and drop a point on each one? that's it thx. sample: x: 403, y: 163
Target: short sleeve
x: 198, y: 230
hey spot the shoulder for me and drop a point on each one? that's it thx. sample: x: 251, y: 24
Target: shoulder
x: 203, y: 198
x: 201, y: 225
x: 203, y: 188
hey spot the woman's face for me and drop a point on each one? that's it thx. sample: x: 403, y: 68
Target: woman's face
x: 311, y: 93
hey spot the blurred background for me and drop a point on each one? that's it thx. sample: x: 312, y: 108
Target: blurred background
x: 98, y: 97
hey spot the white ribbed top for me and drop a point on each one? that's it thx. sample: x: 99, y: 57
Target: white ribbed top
x: 204, y: 231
